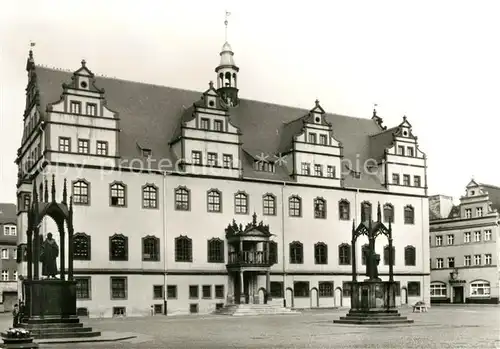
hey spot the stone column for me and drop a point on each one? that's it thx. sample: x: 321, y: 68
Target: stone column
x: 62, y: 253
x: 242, y: 289
x: 268, y: 286
x: 29, y: 253
x: 70, y: 254
x: 36, y: 254
x: 391, y: 261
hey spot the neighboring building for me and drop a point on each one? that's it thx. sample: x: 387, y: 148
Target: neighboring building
x: 8, y: 254
x: 151, y: 234
x: 464, y: 246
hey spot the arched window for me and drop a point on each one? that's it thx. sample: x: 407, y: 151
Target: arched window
x: 182, y: 199
x: 344, y: 254
x: 241, y: 203
x: 81, y: 247
x: 214, y: 201
x: 410, y: 255
x: 480, y: 288
x: 387, y: 257
x: 364, y: 253
x: 183, y: 249
x: 438, y: 289
x: 319, y: 208
x: 269, y: 205
x: 296, y: 253
x: 215, y: 250
x: 294, y: 206
x: 344, y: 210
x: 118, y: 248
x: 320, y: 253
x: 388, y: 213
x: 81, y: 192
x: 149, y: 196
x: 366, y: 211
x: 150, y: 249
x: 409, y: 215
x: 117, y: 194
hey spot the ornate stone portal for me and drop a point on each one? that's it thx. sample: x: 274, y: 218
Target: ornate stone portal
x: 51, y: 300
x: 373, y: 301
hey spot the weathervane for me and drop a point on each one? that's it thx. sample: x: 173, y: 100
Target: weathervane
x: 226, y: 22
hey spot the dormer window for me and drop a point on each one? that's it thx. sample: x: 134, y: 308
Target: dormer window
x: 479, y: 211
x: 312, y: 138
x: 263, y: 166
x: 323, y: 140
x: 75, y: 107
x: 218, y: 125
x: 468, y: 213
x: 205, y: 124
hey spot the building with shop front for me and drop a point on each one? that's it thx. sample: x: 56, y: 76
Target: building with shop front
x: 8, y: 255
x: 464, y: 246
x: 186, y: 201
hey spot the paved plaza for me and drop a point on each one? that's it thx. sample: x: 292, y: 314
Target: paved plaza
x: 442, y: 327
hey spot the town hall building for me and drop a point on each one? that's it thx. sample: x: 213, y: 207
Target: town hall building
x: 187, y: 201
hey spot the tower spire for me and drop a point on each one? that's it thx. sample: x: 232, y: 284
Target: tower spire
x: 225, y: 25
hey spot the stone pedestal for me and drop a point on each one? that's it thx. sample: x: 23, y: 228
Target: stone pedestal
x: 19, y: 343
x: 50, y: 310
x: 373, y: 302
x: 50, y: 298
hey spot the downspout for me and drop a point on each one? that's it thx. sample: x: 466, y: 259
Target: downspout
x: 283, y: 242
x: 423, y: 242
x: 164, y: 228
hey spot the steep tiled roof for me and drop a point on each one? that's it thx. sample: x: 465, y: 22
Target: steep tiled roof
x: 8, y: 213
x: 433, y: 216
x: 152, y: 115
x: 380, y: 141
x: 455, y: 212
x: 493, y: 194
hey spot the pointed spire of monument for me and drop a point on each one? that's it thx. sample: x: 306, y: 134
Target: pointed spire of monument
x: 65, y: 193
x: 53, y: 189
x: 379, y: 213
x: 46, y: 191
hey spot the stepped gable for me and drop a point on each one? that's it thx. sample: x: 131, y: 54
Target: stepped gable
x: 153, y: 114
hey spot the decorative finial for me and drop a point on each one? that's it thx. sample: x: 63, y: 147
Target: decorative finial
x: 404, y: 117
x: 379, y: 213
x: 35, y: 193
x: 32, y: 44
x: 71, y: 204
x: 226, y: 23
x: 46, y: 191
x: 83, y: 63
x: 211, y: 84
x: 254, y: 218
x: 65, y: 193
x: 375, y: 105
x: 316, y: 102
x: 53, y: 190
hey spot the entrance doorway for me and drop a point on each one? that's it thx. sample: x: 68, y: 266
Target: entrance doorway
x: 458, y: 294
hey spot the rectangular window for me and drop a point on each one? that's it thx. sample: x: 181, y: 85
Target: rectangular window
x: 487, y: 259
x: 439, y: 240
x: 406, y: 180
x: 451, y: 262
x: 83, y: 146
x: 318, y: 170
x: 206, y: 291
x: 487, y: 235
x: 205, y: 124
x: 330, y: 171
x: 102, y: 148
x: 414, y: 288
x: 118, y: 287
x: 312, y: 138
x: 346, y: 288
x: 477, y: 236
x: 277, y: 289
x: 467, y: 237
x: 479, y: 211
x: 325, y: 288
x: 218, y: 125
x: 212, y: 159
x: 65, y: 144
x: 219, y: 292
x: 439, y: 263
x: 5, y: 275
x: 193, y: 292
x: 82, y: 287
x: 477, y: 259
x: 410, y: 151
x: 467, y: 261
x: 395, y: 178
x: 301, y: 289
x: 227, y: 161
x: 196, y: 157
x: 92, y: 109
x: 171, y: 291
x: 468, y: 213
x: 157, y: 291
x: 401, y: 150
x: 417, y: 182
x: 305, y: 169
x: 5, y: 253
x: 450, y: 239
x: 75, y: 107
x: 323, y: 140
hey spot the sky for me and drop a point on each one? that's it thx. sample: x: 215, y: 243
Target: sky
x: 437, y: 62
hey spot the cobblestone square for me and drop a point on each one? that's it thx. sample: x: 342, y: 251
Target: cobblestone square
x: 442, y: 327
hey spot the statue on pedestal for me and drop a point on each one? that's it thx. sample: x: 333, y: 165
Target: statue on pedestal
x: 48, y: 256
x: 372, y: 261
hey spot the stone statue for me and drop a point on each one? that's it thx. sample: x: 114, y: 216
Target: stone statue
x: 48, y: 256
x: 372, y: 261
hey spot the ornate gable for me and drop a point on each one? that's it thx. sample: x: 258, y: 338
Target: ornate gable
x: 316, y: 116
x: 252, y: 229
x: 404, y: 130
x: 211, y: 100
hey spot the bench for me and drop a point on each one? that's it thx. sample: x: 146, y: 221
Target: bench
x: 420, y: 307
